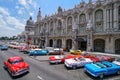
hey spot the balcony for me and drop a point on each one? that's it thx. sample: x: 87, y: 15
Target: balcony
x: 107, y: 31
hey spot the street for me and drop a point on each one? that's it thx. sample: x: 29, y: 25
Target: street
x: 42, y: 70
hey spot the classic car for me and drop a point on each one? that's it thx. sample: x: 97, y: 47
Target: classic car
x: 91, y: 56
x: 117, y: 61
x: 75, y: 52
x: 100, y: 69
x: 105, y: 58
x: 38, y: 52
x: 23, y: 48
x: 16, y: 66
x: 77, y: 62
x: 4, y: 47
x: 61, y: 58
x: 54, y: 51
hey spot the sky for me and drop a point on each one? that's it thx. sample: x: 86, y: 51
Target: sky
x: 15, y: 13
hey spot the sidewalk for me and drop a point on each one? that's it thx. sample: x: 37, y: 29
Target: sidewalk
x: 109, y: 54
x: 46, y: 57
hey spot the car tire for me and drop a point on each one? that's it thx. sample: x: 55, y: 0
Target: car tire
x: 74, y: 67
x: 118, y: 72
x: 5, y: 67
x: 101, y: 75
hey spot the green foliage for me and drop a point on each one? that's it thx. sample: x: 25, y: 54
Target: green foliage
x: 8, y: 38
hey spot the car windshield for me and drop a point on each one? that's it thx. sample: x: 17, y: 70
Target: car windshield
x: 17, y: 61
x: 118, y: 60
x: 103, y: 65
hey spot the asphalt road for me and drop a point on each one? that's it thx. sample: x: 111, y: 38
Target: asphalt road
x: 42, y: 70
x: 38, y: 70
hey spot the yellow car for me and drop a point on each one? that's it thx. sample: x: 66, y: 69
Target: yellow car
x: 76, y: 52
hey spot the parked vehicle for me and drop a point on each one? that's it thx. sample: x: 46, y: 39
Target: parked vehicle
x: 23, y: 48
x: 54, y: 51
x: 4, y: 47
x: 100, y: 69
x: 91, y: 56
x: 117, y: 61
x: 105, y: 58
x: 61, y: 58
x: 16, y: 66
x: 75, y: 52
x: 38, y: 52
x: 77, y: 62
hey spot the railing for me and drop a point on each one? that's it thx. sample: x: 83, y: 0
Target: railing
x: 107, y: 31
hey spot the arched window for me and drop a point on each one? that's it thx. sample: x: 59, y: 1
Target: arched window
x: 82, y: 19
x: 82, y: 23
x: 99, y: 20
x: 51, y: 27
x: 99, y: 15
x: 59, y: 29
x: 69, y: 21
x: 69, y: 25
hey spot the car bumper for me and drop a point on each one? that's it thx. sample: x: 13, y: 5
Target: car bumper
x: 55, y: 61
x: 90, y: 73
x: 20, y: 72
x: 68, y: 65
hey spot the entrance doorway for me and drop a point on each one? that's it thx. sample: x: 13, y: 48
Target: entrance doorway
x: 99, y: 45
x: 117, y: 46
x: 51, y: 43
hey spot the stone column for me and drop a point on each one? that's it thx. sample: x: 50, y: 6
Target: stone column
x: 54, y: 43
x: 89, y: 36
x: 115, y: 16
x: 63, y: 43
x: 89, y: 41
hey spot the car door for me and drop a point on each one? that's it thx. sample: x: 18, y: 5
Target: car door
x: 111, y: 70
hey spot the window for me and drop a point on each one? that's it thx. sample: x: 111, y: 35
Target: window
x: 99, y: 20
x: 82, y: 18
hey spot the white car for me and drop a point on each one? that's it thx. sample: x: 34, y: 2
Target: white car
x: 76, y: 62
x: 117, y: 62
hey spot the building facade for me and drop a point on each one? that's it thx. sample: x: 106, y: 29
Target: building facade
x: 92, y: 26
x: 29, y: 30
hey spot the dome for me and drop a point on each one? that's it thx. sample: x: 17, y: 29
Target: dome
x: 59, y: 9
x: 30, y: 21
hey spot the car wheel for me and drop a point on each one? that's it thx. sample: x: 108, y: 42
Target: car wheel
x: 101, y: 75
x: 74, y: 67
x: 5, y: 67
x: 118, y: 72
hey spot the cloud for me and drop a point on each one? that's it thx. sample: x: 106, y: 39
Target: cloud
x: 9, y: 24
x: 4, y: 11
x: 23, y: 2
x: 31, y: 13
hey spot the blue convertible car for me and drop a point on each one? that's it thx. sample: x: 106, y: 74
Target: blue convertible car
x: 38, y: 52
x: 100, y: 69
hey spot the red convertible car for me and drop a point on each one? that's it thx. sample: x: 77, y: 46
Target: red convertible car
x: 105, y: 58
x: 61, y: 58
x: 92, y: 57
x: 16, y: 66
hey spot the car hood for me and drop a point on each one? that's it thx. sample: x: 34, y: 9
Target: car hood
x: 70, y: 61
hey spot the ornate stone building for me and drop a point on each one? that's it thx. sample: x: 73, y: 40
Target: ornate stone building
x: 88, y: 26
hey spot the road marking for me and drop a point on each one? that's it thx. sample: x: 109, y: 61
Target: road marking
x: 40, y: 77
